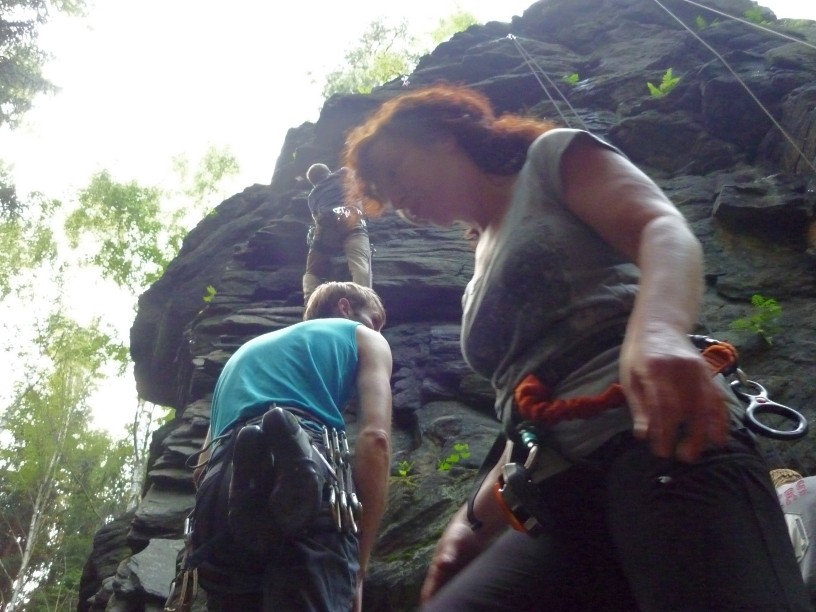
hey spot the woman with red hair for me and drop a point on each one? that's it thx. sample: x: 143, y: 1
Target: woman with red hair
x: 587, y: 281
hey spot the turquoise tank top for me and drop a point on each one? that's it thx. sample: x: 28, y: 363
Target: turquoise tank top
x: 311, y: 365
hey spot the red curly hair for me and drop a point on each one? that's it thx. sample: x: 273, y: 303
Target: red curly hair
x: 497, y: 145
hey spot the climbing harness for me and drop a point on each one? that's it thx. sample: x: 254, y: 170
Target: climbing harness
x: 534, y: 404
x: 517, y: 487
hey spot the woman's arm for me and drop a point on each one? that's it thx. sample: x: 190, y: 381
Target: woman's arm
x: 674, y: 401
x: 460, y: 543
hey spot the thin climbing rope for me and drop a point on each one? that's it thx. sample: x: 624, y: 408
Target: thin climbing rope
x: 536, y: 69
x: 744, y: 85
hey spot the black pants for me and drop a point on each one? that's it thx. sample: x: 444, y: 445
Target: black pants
x: 635, y: 532
x: 315, y: 571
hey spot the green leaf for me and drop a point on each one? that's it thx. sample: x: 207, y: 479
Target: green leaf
x: 655, y: 91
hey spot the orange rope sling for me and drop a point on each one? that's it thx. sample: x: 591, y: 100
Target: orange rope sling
x: 533, y: 396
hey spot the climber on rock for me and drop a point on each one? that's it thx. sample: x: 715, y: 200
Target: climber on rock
x: 339, y: 227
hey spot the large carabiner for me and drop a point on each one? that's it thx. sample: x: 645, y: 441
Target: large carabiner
x: 759, y: 403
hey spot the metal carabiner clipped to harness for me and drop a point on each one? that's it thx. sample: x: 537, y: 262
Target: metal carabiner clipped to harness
x: 759, y: 404
x: 518, y: 495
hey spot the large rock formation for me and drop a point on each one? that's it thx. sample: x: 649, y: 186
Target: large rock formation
x: 746, y: 190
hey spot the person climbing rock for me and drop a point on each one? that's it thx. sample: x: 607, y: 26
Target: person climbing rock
x: 339, y: 228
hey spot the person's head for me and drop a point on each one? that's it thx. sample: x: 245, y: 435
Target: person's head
x: 783, y: 476
x: 346, y: 300
x: 496, y: 145
x: 317, y: 173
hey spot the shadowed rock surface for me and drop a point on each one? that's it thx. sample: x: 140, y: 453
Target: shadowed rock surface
x: 747, y: 193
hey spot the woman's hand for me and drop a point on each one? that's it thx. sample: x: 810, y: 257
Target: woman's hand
x: 458, y: 546
x: 675, y: 403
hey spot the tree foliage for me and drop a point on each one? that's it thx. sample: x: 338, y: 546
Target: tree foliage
x: 59, y: 479
x: 387, y: 51
x: 384, y: 52
x: 202, y: 184
x: 26, y: 237
x: 452, y: 24
x: 129, y: 230
x: 21, y: 59
x: 130, y: 241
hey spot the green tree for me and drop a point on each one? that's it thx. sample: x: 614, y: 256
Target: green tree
x: 384, y: 52
x: 130, y: 231
x: 21, y: 60
x: 203, y: 183
x: 130, y: 238
x: 59, y: 479
x: 452, y: 24
x: 26, y: 237
x: 387, y: 51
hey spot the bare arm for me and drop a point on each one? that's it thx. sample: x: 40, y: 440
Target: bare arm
x: 459, y: 543
x: 372, y: 454
x: 674, y: 401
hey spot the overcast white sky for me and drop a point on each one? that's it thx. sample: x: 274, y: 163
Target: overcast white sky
x: 142, y: 81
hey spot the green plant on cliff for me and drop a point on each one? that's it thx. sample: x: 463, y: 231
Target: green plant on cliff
x: 763, y: 321
x: 756, y: 15
x: 571, y: 79
x: 210, y: 294
x: 461, y: 450
x: 405, y: 473
x: 667, y: 84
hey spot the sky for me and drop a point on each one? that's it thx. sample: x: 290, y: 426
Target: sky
x: 143, y: 81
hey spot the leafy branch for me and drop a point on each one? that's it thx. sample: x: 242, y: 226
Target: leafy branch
x: 571, y: 79
x: 461, y: 451
x: 667, y: 84
x: 764, y: 319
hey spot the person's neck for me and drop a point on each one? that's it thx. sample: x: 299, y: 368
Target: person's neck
x: 496, y: 194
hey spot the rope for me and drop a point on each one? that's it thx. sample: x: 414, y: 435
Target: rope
x: 534, y: 404
x: 752, y: 24
x: 762, y: 107
x: 534, y: 66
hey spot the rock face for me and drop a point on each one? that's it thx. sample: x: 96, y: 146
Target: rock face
x: 746, y: 190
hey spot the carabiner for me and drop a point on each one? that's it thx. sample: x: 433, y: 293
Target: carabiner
x: 759, y: 403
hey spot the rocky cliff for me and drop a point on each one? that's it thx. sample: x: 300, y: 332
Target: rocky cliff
x: 746, y: 190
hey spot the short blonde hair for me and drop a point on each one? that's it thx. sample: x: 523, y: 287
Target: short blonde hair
x: 322, y: 303
x: 784, y: 476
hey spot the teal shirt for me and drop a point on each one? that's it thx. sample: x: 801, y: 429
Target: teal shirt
x: 311, y: 365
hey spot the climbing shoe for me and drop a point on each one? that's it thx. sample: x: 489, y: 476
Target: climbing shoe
x: 252, y: 475
x: 297, y: 491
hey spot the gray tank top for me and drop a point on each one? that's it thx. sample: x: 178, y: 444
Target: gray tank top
x: 552, y: 282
